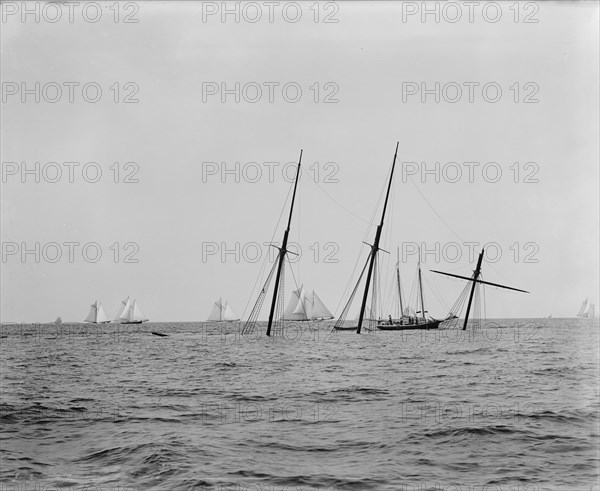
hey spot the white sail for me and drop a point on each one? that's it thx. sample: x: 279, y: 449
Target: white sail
x: 221, y: 311
x: 123, y: 309
x: 592, y: 311
x: 302, y: 310
x: 303, y: 307
x: 101, y: 316
x: 581, y: 312
x: 124, y: 316
x: 409, y: 312
x: 319, y: 311
x: 291, y: 310
x: 130, y: 312
x: 136, y: 314
x: 96, y: 315
x: 91, y: 317
x: 229, y: 314
x: 589, y: 310
x: 215, y: 312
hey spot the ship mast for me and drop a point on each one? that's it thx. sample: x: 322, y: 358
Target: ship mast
x: 475, y: 279
x: 399, y: 283
x: 375, y: 246
x: 421, y: 289
x: 476, y: 274
x: 283, y: 251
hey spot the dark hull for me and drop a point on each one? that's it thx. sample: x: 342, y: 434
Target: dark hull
x: 432, y: 324
x: 344, y: 328
x: 131, y: 322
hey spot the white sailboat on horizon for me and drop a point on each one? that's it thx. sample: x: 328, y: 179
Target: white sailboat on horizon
x: 587, y: 310
x: 96, y: 315
x: 130, y: 313
x: 222, y: 312
x: 303, y: 307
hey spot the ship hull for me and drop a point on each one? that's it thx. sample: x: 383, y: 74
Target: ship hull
x: 432, y: 324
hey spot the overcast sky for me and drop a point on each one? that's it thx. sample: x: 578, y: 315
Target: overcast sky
x: 183, y: 131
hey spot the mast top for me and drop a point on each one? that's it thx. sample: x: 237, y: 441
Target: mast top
x: 387, y: 194
x: 295, y: 187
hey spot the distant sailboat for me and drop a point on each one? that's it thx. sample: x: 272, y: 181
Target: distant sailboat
x: 130, y: 313
x: 222, y: 312
x: 96, y: 314
x: 302, y: 307
x: 58, y: 320
x: 587, y: 310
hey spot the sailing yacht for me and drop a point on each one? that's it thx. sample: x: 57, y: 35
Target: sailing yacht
x: 409, y: 318
x: 222, y: 312
x: 587, y: 310
x: 303, y: 307
x: 130, y: 313
x: 96, y: 315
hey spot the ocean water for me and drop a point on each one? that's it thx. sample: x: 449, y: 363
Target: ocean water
x: 511, y: 407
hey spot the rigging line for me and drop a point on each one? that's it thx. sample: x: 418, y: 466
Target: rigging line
x: 385, y: 263
x: 298, y: 211
x: 487, y: 263
x: 348, y: 305
x: 364, y: 239
x: 434, y: 211
x: 263, y: 267
x: 256, y: 282
x: 430, y: 286
x: 293, y: 275
x: 484, y: 302
x: 350, y: 282
x: 448, y: 226
x: 338, y: 203
x: 388, y: 302
x: 370, y: 222
x: 299, y: 297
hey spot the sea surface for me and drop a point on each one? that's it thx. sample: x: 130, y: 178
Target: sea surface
x: 514, y: 406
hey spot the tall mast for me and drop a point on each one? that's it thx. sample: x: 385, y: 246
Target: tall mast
x: 399, y: 284
x: 474, y: 280
x: 475, y: 277
x: 375, y: 246
x: 421, y: 289
x: 283, y: 251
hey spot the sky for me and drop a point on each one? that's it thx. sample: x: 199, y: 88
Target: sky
x: 192, y: 185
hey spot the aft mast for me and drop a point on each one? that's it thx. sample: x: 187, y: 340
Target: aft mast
x: 474, y: 281
x: 375, y: 246
x: 283, y: 251
x: 476, y: 274
x: 421, y: 290
x: 399, y: 284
